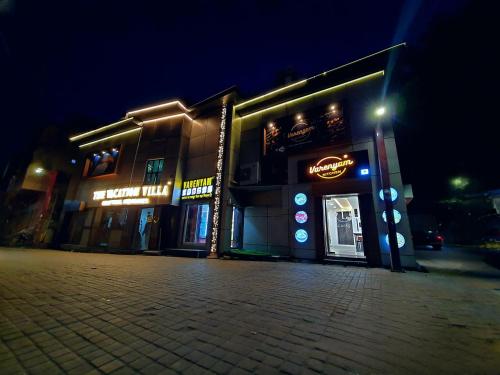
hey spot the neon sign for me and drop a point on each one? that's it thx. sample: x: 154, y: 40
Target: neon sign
x: 331, y: 167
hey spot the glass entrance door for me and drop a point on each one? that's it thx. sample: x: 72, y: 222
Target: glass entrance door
x: 144, y: 228
x: 342, y: 223
x: 196, y: 224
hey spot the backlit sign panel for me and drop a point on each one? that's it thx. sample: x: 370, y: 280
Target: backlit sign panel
x: 321, y: 125
x: 198, y: 189
x: 301, y: 235
x: 102, y: 162
x: 301, y: 217
x: 400, y: 239
x: 300, y: 199
x: 394, y: 194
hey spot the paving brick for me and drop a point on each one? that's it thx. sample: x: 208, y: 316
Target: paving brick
x: 152, y: 369
x: 111, y: 366
x: 133, y: 314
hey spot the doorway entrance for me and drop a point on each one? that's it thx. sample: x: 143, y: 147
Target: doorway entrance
x: 196, y: 224
x: 144, y: 225
x: 342, y: 224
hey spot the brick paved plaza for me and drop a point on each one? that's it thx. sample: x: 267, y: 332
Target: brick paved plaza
x: 81, y: 313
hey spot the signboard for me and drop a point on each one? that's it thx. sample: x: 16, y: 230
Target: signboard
x: 198, y: 189
x: 334, y: 167
x: 127, y: 196
x: 320, y: 126
x: 301, y: 217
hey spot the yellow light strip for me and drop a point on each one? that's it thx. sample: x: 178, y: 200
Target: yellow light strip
x: 336, y: 87
x: 318, y: 75
x: 158, y: 106
x: 356, y: 61
x: 109, y: 137
x: 98, y: 130
x: 271, y: 93
x: 166, y: 118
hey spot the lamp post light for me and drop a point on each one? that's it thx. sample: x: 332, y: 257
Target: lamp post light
x: 386, y: 189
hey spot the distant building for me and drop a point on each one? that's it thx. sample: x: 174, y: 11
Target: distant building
x: 34, y: 191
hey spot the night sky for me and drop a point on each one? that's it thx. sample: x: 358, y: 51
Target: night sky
x: 97, y: 59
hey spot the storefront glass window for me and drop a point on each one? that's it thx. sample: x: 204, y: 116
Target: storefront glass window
x: 236, y: 227
x: 196, y: 224
x: 154, y: 168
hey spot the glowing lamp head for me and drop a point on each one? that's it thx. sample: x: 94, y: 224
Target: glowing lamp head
x: 380, y: 111
x: 39, y: 170
x: 298, y: 117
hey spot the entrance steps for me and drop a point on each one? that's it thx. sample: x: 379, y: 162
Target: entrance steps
x: 190, y: 253
x: 346, y: 262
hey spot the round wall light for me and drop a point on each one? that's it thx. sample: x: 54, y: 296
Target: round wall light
x: 301, y: 235
x: 400, y: 239
x: 301, y: 217
x: 397, y: 216
x: 300, y: 199
x: 394, y: 194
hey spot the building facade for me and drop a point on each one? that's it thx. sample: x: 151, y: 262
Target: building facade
x: 146, y: 181
x: 292, y: 173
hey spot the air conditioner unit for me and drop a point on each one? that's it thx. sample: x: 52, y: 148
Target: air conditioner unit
x: 250, y: 173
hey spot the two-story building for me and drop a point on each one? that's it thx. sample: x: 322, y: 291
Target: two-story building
x: 147, y: 181
x: 290, y: 173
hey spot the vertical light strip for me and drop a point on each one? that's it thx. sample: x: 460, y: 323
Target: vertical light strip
x: 218, y: 180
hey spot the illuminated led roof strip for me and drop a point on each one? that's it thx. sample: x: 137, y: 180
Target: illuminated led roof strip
x: 98, y: 130
x: 295, y: 84
x: 324, y: 91
x: 166, y: 118
x: 110, y: 137
x: 302, y: 82
x: 169, y: 104
x: 356, y: 61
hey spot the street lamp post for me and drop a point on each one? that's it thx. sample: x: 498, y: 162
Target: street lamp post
x: 386, y: 189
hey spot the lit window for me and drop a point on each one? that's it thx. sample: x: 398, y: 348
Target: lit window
x: 154, y: 169
x: 101, y: 162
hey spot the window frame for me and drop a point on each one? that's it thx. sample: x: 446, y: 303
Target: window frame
x: 158, y: 173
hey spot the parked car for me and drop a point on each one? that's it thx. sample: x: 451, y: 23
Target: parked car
x: 428, y: 238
